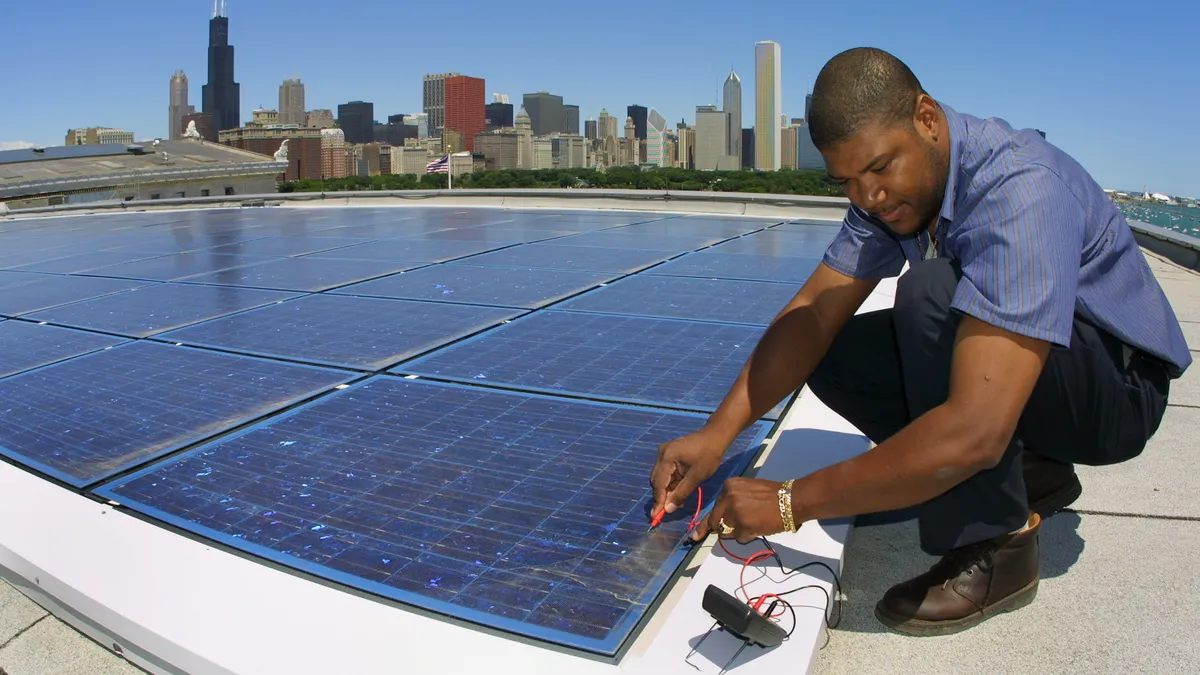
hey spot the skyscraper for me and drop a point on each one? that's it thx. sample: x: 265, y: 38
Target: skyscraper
x: 733, y: 106
x: 179, y: 105
x: 571, y: 119
x: 291, y: 102
x: 222, y: 96
x: 638, y: 113
x: 465, y: 108
x: 546, y: 114
x: 656, y: 128
x: 498, y: 115
x: 433, y: 101
x: 357, y: 120
x: 768, y: 99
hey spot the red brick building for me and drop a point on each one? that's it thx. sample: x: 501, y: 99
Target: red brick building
x: 465, y: 108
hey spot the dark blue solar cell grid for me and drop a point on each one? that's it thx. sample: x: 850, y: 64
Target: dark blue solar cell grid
x: 340, y: 330
x: 288, y: 246
x: 410, y: 250
x: 500, y: 286
x: 82, y: 262
x: 665, y: 362
x: 9, y: 279
x: 155, y: 309
x: 501, y: 235
x: 303, y: 274
x: 714, y: 265
x: 50, y: 291
x: 524, y: 513
x: 40, y: 255
x: 649, y: 242
x: 825, y: 228
x: 580, y: 258
x: 773, y: 243
x: 25, y: 346
x: 178, y: 266
x: 724, y: 300
x: 94, y: 416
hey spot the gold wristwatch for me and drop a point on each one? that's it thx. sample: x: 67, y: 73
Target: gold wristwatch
x: 785, y: 506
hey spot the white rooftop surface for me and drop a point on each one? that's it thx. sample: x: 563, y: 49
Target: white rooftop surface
x: 1114, y: 594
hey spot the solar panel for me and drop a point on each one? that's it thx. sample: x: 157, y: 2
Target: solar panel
x: 303, y: 274
x: 518, y: 512
x: 16, y: 258
x: 665, y: 362
x: 684, y: 226
x: 501, y: 286
x: 177, y: 266
x: 339, y: 330
x: 154, y: 309
x: 24, y: 346
x: 750, y: 302
x: 288, y: 246
x: 81, y: 262
x: 9, y: 279
x: 773, y: 243
x: 51, y: 291
x: 714, y: 265
x: 583, y: 258
x: 92, y: 417
x: 410, y: 250
x: 501, y: 235
x: 651, y: 242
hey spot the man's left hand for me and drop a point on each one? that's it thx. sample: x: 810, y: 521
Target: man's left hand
x: 749, y: 505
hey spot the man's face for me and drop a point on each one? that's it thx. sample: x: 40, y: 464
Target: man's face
x: 896, y: 174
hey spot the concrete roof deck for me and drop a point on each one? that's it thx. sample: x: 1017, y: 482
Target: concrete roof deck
x: 1115, y: 578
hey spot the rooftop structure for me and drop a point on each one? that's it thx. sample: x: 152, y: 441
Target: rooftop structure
x: 339, y: 489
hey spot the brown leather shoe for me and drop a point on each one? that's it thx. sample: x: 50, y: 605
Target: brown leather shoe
x: 1050, y: 485
x: 966, y: 586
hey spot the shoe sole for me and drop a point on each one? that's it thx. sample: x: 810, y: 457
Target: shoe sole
x: 1059, y: 499
x: 923, y: 628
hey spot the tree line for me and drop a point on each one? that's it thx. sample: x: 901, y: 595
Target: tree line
x: 786, y: 181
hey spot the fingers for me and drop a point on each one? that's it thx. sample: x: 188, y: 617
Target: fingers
x: 685, y: 488
x: 713, y: 521
x: 660, y: 481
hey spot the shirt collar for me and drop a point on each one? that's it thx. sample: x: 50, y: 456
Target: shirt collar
x: 957, y: 128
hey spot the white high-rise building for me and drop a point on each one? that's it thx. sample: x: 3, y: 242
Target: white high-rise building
x: 712, y: 140
x: 768, y: 106
x: 733, y: 106
x: 291, y: 102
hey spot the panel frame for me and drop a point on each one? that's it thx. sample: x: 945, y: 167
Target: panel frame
x: 626, y: 630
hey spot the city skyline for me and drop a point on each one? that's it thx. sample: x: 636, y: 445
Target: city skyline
x: 1066, y: 81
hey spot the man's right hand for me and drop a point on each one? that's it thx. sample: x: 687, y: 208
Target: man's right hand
x: 684, y: 463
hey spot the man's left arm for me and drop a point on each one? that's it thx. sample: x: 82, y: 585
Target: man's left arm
x: 1017, y: 298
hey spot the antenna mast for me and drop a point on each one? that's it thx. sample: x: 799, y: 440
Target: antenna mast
x: 224, y: 7
x: 215, y: 4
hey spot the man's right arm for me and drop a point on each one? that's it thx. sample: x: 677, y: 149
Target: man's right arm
x: 790, y: 349
x: 786, y: 354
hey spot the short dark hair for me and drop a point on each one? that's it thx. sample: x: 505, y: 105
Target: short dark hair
x: 856, y: 87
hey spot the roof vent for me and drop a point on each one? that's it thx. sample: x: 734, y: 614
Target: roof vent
x: 135, y: 149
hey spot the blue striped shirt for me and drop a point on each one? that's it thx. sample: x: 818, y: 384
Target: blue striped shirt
x: 1038, y: 241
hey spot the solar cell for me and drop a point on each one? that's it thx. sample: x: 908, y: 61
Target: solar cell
x: 50, y: 291
x: 751, y: 302
x: 691, y: 225
x: 176, y: 266
x: 501, y: 286
x: 665, y: 362
x: 24, y: 346
x: 410, y: 250
x: 92, y: 417
x: 520, y: 512
x: 303, y: 274
x: 288, y: 246
x: 581, y: 258
x: 502, y: 235
x: 340, y: 330
x: 154, y: 309
x: 9, y: 279
x: 715, y: 265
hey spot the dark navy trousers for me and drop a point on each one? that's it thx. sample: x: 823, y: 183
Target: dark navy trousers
x: 1096, y: 402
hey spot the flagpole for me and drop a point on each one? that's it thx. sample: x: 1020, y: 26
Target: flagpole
x: 450, y: 167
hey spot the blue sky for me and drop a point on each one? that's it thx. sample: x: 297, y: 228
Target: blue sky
x: 1113, y: 84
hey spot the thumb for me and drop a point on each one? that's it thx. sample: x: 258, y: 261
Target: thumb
x: 682, y: 491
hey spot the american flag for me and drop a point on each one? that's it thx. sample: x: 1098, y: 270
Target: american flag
x: 439, y: 166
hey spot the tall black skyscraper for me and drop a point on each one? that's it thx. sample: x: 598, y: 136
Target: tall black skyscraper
x: 222, y: 96
x: 357, y: 121
x: 638, y: 113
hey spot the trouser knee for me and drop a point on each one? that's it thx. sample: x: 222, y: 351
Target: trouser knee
x: 924, y: 293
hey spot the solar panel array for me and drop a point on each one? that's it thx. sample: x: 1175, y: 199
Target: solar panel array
x: 453, y: 408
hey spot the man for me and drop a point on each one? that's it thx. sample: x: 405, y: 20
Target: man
x: 1028, y: 335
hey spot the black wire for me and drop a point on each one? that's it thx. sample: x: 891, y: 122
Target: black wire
x: 835, y: 601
